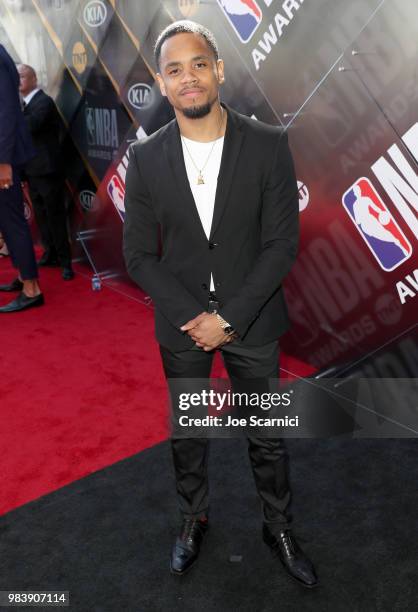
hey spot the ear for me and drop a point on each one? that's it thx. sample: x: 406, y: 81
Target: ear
x: 220, y: 71
x: 161, y: 84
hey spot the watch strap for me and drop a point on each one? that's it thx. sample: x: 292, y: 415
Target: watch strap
x: 227, y: 327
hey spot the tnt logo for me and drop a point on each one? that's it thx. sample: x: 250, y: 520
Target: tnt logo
x: 116, y: 192
x: 376, y: 225
x: 244, y: 16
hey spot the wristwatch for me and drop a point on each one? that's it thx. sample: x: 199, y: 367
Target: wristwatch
x: 227, y: 328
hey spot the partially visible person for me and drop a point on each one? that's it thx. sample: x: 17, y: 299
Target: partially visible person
x: 44, y: 172
x: 15, y: 150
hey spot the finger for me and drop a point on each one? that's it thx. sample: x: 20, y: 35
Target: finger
x: 192, y: 323
x: 188, y: 325
x: 194, y: 336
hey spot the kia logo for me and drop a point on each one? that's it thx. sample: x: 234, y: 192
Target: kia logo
x: 95, y: 13
x: 140, y: 96
x: 86, y: 198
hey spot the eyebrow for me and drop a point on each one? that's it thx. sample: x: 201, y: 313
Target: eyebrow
x: 194, y: 59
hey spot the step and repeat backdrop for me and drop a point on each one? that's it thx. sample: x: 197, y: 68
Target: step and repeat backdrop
x: 340, y: 76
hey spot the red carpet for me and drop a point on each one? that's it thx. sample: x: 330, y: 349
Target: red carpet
x: 82, y: 385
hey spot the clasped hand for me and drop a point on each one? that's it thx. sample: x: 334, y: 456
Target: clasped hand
x: 206, y: 332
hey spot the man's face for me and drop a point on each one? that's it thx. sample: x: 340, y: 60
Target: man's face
x: 189, y: 74
x: 27, y: 80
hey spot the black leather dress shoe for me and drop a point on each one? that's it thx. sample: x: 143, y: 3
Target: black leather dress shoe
x: 187, y: 546
x: 67, y: 273
x: 296, y: 563
x: 22, y: 302
x: 48, y: 259
x: 16, y: 285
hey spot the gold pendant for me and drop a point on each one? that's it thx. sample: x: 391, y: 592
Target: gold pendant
x: 200, y: 180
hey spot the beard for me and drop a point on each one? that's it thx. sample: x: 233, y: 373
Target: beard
x: 197, y: 112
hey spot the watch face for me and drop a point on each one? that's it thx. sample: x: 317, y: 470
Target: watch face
x: 229, y: 330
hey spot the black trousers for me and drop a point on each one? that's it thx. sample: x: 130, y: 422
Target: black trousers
x: 268, y: 456
x: 48, y: 198
x: 16, y: 231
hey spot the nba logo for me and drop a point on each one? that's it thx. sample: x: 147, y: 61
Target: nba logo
x: 376, y: 225
x: 116, y: 192
x: 244, y: 16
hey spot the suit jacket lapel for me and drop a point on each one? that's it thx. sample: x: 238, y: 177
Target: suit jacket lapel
x: 232, y: 146
x: 174, y: 155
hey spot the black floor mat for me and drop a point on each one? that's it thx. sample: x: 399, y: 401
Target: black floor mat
x: 106, y: 538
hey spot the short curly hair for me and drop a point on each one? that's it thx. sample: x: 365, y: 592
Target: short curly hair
x: 188, y: 27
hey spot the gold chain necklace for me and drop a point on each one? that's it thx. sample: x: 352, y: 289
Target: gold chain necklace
x: 200, y: 179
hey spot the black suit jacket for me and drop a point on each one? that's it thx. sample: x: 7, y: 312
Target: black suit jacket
x: 45, y: 126
x: 253, y: 239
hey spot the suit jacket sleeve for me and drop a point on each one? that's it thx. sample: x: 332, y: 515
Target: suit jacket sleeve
x: 8, y: 115
x: 279, y: 242
x: 141, y: 251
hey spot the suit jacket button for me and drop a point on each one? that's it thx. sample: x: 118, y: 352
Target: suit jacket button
x: 212, y: 245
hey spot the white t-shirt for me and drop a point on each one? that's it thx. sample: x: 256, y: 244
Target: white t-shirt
x: 204, y: 195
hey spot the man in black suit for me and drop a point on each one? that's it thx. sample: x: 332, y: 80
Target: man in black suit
x: 44, y: 172
x: 15, y: 150
x: 218, y: 191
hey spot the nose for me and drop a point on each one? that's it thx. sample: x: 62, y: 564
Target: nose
x: 188, y: 76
